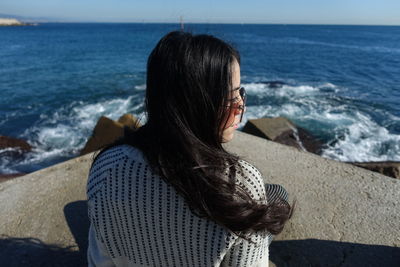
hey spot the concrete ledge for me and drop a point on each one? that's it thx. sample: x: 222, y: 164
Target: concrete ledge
x: 43, y: 216
x: 345, y: 215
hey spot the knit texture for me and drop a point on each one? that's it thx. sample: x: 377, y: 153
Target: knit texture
x: 137, y: 219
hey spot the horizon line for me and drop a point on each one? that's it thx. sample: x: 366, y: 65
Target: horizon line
x: 203, y: 22
x: 45, y: 19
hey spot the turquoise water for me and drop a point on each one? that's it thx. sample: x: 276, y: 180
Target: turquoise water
x: 342, y: 83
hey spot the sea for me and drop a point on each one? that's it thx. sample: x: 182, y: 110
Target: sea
x: 341, y: 83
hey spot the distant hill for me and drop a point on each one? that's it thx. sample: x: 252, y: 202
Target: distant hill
x: 27, y: 19
x: 10, y: 22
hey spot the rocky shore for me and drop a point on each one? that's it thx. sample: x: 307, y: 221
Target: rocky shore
x: 12, y: 148
x: 283, y: 131
x: 280, y: 130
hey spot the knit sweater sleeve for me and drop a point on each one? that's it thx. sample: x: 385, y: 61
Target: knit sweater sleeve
x: 97, y: 253
x: 250, y: 178
x: 242, y: 252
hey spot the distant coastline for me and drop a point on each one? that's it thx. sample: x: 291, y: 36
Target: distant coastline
x: 13, y: 22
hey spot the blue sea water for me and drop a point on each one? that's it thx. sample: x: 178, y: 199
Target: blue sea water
x: 342, y: 83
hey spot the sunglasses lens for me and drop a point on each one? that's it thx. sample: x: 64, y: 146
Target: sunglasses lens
x: 242, y: 93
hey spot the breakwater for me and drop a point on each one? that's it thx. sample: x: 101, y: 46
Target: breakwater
x: 345, y: 215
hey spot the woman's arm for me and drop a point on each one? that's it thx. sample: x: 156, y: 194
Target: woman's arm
x: 97, y: 254
x: 243, y: 253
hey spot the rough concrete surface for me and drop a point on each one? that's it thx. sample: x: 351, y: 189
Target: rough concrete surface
x: 43, y: 218
x: 344, y: 216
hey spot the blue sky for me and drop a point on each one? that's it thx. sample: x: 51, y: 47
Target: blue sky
x: 369, y: 12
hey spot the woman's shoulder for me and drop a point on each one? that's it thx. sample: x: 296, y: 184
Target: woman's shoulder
x: 116, y: 153
x: 109, y: 162
x: 248, y: 176
x: 249, y: 169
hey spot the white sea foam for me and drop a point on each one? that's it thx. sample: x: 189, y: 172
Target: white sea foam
x: 282, y: 90
x: 256, y: 88
x: 38, y: 155
x: 7, y: 159
x: 328, y: 85
x: 64, y: 132
x: 141, y: 87
x: 61, y: 136
x: 302, y: 89
x: 363, y: 140
x: 355, y: 135
x: 9, y: 149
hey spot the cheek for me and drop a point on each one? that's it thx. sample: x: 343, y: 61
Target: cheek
x: 227, y: 134
x: 229, y: 119
x: 226, y: 129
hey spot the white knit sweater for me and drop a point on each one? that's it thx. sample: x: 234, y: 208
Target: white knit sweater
x: 137, y: 219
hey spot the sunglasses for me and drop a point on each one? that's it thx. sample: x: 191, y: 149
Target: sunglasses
x: 243, y: 96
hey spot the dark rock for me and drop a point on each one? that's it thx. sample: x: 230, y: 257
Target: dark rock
x: 13, y: 148
x: 274, y: 84
x: 388, y: 168
x: 10, y: 142
x: 128, y: 120
x: 283, y: 131
x: 108, y: 131
x: 310, y: 142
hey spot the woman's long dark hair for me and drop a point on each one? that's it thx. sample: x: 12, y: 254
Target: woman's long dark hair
x: 188, y: 82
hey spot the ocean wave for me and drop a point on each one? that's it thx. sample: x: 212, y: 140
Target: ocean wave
x: 363, y: 140
x: 140, y: 87
x: 351, y: 134
x: 63, y: 133
x: 9, y: 157
x: 297, y: 102
x: 283, y: 89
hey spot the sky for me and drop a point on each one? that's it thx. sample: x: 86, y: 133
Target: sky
x: 364, y: 12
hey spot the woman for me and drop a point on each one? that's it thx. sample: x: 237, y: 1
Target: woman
x: 169, y: 194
